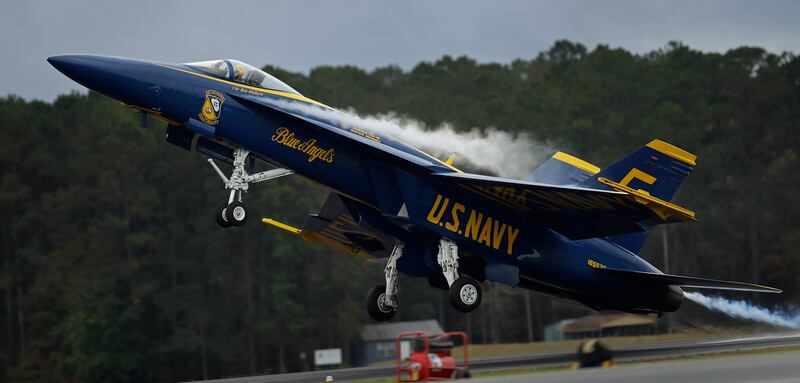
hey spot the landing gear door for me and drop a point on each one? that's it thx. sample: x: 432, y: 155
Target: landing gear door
x: 501, y: 272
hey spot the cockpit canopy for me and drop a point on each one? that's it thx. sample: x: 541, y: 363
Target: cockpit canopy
x: 246, y: 74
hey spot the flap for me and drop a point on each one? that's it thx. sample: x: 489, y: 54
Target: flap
x: 333, y: 226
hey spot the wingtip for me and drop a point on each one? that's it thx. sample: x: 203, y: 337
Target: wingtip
x: 765, y: 289
x: 772, y: 290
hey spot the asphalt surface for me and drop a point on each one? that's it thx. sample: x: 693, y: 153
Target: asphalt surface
x: 622, y: 353
x: 768, y: 367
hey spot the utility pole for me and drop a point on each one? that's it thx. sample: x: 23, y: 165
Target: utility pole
x: 665, y: 247
x: 528, y: 317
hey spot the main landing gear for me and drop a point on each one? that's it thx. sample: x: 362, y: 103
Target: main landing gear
x: 465, y: 292
x: 382, y: 299
x: 233, y: 212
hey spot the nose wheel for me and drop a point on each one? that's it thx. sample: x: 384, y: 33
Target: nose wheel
x: 219, y: 215
x: 234, y: 212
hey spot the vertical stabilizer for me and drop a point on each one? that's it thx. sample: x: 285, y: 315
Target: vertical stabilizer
x: 657, y: 168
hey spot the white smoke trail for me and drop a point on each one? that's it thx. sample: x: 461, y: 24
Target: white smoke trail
x: 745, y: 310
x: 502, y: 153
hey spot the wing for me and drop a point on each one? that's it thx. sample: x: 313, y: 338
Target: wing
x: 575, y: 212
x: 692, y: 282
x: 324, y: 119
x: 335, y: 227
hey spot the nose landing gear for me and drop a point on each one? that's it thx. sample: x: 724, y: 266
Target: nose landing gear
x: 234, y: 212
x: 382, y: 299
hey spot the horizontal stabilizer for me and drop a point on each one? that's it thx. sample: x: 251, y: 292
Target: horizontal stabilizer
x: 662, y: 208
x: 692, y: 282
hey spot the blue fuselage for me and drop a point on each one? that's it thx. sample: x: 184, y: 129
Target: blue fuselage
x: 392, y: 181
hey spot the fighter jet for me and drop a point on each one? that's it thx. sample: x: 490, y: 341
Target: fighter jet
x: 570, y: 229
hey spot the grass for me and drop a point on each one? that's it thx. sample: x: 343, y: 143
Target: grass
x: 494, y: 351
x: 513, y: 349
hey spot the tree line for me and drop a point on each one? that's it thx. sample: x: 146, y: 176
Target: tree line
x: 114, y: 270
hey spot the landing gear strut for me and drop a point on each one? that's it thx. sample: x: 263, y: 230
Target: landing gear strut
x: 382, y: 299
x: 234, y: 213
x: 465, y: 292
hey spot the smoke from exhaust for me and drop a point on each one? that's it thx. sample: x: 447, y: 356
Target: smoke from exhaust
x: 499, y: 152
x: 745, y: 310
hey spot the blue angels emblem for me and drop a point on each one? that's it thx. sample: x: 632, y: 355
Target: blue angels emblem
x: 212, y: 107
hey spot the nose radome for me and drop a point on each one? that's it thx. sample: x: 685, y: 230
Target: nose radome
x: 62, y: 63
x: 77, y: 67
x: 55, y: 60
x: 124, y: 79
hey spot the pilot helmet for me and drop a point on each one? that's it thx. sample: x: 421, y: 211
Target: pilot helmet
x: 238, y: 71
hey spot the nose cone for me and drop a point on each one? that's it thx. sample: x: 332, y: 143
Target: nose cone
x: 98, y: 73
x: 120, y: 78
x: 69, y: 65
x: 80, y: 68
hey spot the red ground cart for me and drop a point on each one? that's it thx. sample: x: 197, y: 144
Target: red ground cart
x: 429, y: 358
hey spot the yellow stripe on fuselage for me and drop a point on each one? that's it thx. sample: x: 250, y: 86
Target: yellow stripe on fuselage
x: 576, y: 162
x: 255, y: 88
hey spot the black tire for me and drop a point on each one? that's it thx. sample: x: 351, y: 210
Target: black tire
x: 465, y: 294
x: 462, y: 374
x: 236, y: 213
x: 375, y: 309
x: 219, y: 215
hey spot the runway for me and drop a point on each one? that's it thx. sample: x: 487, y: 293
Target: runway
x: 623, y: 353
x: 767, y: 367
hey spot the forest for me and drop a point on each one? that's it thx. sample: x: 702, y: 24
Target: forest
x: 113, y: 269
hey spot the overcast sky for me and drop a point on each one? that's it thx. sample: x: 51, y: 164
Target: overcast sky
x: 299, y: 35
